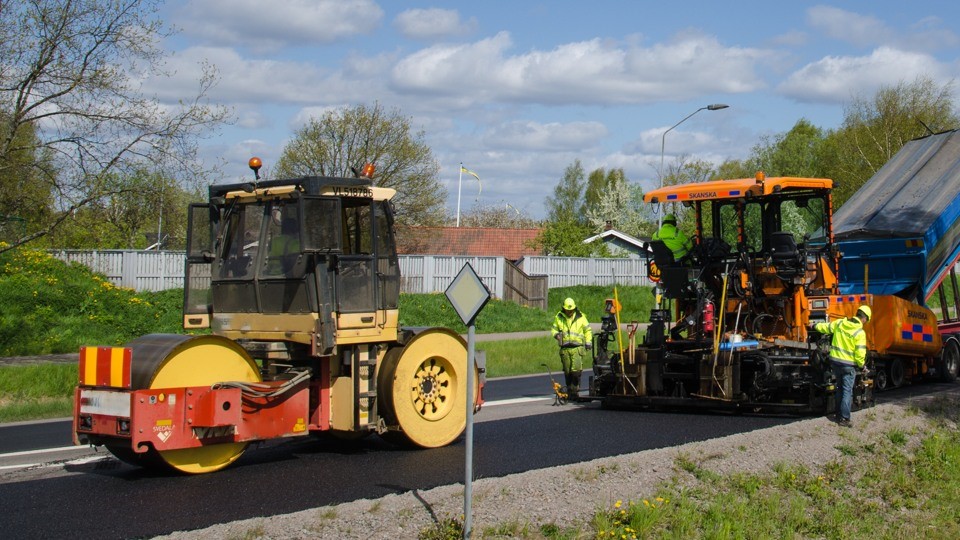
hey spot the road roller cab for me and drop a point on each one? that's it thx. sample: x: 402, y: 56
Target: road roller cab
x: 298, y: 282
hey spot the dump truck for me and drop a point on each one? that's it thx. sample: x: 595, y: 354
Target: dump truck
x: 900, y: 236
x: 291, y: 303
x: 732, y: 330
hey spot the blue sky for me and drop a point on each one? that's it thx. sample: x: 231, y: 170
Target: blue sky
x: 518, y: 90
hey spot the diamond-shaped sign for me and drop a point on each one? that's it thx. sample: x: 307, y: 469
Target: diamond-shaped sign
x: 467, y: 294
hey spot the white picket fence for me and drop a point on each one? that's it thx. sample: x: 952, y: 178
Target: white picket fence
x: 155, y: 271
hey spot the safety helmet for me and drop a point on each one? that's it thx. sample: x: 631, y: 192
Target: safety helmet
x: 670, y: 218
x: 866, y: 311
x: 569, y: 304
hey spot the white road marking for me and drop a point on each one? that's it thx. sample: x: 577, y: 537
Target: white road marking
x: 42, y: 451
x: 514, y: 401
x: 23, y: 466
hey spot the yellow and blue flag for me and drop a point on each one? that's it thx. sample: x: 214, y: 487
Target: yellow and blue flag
x: 475, y: 175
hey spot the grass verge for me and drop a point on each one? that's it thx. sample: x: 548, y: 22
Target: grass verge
x: 896, y: 484
x: 48, y: 306
x: 36, y: 391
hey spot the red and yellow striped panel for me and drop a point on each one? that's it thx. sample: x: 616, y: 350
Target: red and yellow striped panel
x: 105, y: 366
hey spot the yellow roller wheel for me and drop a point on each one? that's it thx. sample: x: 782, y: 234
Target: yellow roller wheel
x: 424, y: 388
x: 174, y: 361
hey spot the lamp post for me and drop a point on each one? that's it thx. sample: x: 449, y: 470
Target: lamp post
x: 663, y: 142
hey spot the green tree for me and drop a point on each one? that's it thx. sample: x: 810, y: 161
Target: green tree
x: 736, y: 168
x: 567, y: 226
x: 610, y: 198
x: 25, y: 200
x: 345, y: 139
x: 66, y: 78
x: 794, y: 153
x: 875, y: 129
x: 565, y: 238
x: 131, y: 219
x: 568, y: 200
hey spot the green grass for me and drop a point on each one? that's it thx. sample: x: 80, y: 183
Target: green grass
x: 35, y: 391
x: 898, y: 485
x: 524, y: 356
x: 499, y: 316
x: 48, y: 306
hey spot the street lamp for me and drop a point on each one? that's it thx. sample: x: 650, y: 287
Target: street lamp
x: 663, y: 141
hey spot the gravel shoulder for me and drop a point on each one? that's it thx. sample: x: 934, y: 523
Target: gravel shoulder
x: 569, y: 495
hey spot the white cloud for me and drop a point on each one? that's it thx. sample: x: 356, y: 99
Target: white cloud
x: 791, y: 39
x: 835, y: 79
x: 585, y: 72
x: 270, y: 26
x: 861, y: 30
x: 253, y: 119
x: 245, y: 80
x: 551, y: 137
x: 430, y: 24
x: 927, y: 34
x: 306, y: 114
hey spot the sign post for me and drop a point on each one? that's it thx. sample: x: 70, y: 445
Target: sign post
x: 468, y: 295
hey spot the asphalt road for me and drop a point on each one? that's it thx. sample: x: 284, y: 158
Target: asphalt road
x: 105, y: 498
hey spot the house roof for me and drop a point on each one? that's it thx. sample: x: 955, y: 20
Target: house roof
x: 475, y: 241
x: 622, y: 240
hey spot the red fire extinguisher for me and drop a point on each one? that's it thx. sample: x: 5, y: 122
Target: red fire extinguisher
x: 708, y: 317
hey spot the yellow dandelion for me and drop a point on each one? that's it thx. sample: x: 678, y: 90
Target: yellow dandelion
x: 646, y: 502
x: 617, y: 504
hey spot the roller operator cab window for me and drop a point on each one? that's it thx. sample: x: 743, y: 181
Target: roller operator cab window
x: 241, y: 243
x: 282, y: 237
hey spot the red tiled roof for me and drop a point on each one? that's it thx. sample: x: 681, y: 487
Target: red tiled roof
x: 483, y: 242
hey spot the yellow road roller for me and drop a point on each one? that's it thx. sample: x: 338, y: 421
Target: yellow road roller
x: 290, y: 300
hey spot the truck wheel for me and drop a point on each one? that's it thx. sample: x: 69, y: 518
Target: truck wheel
x: 881, y: 381
x: 176, y: 361
x: 949, y: 363
x: 424, y: 389
x: 896, y: 373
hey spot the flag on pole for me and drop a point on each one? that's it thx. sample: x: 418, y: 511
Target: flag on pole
x: 468, y: 171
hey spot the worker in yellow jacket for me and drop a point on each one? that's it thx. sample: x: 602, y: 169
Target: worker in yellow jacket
x: 848, y: 354
x: 574, y: 336
x: 673, y: 238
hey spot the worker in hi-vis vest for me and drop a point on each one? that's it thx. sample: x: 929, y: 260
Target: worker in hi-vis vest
x: 673, y: 238
x: 573, y: 334
x: 848, y: 354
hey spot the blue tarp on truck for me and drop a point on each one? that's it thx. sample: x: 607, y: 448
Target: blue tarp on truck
x: 904, y: 222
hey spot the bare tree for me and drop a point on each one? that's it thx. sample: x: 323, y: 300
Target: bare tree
x: 497, y: 216
x: 345, y: 139
x: 71, y: 76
